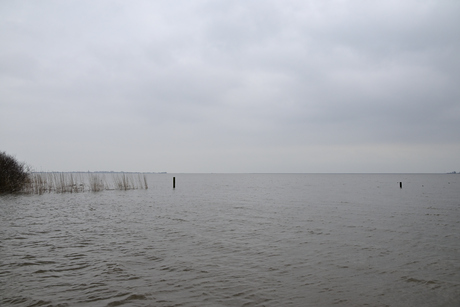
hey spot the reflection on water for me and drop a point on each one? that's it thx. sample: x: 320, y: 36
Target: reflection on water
x: 237, y: 240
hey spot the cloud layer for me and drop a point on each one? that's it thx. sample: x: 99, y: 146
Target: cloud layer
x: 234, y: 86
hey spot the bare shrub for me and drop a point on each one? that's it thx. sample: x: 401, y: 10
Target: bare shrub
x: 14, y: 175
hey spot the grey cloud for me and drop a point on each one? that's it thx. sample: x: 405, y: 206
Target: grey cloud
x: 245, y: 78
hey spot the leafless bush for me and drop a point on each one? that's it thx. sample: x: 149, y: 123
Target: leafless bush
x: 14, y: 175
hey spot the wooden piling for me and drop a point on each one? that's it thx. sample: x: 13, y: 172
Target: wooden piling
x: 174, y: 182
x: 400, y: 185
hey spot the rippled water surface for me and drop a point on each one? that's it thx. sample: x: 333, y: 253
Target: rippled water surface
x: 237, y: 240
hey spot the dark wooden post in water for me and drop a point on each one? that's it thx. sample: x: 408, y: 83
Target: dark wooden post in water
x: 400, y: 185
x: 174, y: 182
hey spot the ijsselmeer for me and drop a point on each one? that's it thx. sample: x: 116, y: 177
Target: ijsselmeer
x: 237, y: 240
x: 236, y: 153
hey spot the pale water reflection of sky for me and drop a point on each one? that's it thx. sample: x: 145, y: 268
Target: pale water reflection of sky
x: 231, y: 86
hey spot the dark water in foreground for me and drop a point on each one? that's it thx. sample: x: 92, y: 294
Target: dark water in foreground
x: 237, y: 240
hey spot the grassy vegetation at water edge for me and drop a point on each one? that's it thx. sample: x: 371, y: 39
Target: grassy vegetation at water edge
x: 16, y: 177
x: 83, y: 182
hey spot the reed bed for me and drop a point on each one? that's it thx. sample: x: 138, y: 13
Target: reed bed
x: 129, y: 182
x: 40, y: 183
x: 97, y: 182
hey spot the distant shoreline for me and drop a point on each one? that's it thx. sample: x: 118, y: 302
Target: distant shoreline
x: 98, y: 172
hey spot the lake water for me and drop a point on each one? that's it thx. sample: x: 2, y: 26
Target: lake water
x: 237, y: 240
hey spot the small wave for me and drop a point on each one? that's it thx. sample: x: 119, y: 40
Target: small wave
x: 419, y: 281
x: 27, y: 264
x: 132, y: 297
x: 73, y: 268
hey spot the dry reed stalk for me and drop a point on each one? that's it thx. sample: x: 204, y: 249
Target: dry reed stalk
x: 96, y: 183
x: 39, y: 183
x: 50, y: 183
x: 129, y: 182
x: 124, y: 182
x: 145, y: 182
x: 67, y: 183
x: 60, y: 183
x: 142, y: 181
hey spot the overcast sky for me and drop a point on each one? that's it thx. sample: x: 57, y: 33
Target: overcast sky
x: 231, y: 86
